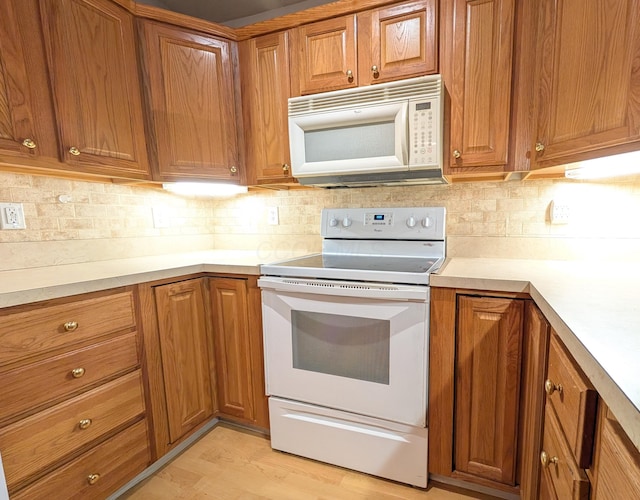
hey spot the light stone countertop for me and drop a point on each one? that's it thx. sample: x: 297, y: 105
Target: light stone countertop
x: 594, y: 308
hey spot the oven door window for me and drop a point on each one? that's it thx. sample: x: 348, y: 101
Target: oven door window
x: 346, y: 346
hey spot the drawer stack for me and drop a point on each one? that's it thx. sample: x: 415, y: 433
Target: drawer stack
x: 570, y: 414
x: 72, y: 412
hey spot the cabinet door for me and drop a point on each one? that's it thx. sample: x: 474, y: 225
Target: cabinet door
x: 588, y: 85
x: 488, y: 358
x: 265, y: 90
x: 325, y: 56
x: 24, y: 88
x: 397, y: 42
x: 617, y: 461
x: 97, y: 93
x: 185, y: 352
x: 232, y: 347
x: 191, y: 100
x: 477, y: 67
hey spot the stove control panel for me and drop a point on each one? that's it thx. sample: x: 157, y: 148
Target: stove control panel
x: 410, y: 223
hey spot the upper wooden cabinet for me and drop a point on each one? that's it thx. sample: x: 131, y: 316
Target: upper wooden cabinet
x: 189, y: 84
x: 97, y: 93
x: 265, y: 90
x: 27, y: 128
x: 380, y: 45
x: 476, y: 65
x: 588, y: 80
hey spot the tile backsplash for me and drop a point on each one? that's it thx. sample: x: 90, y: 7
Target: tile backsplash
x: 97, y: 221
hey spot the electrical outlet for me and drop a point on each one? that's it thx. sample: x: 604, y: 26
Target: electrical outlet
x: 559, y: 213
x: 160, y: 217
x: 272, y: 216
x: 12, y: 216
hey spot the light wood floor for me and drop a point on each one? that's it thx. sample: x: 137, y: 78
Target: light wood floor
x: 233, y: 463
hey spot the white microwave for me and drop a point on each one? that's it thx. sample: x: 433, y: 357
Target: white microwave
x: 388, y: 133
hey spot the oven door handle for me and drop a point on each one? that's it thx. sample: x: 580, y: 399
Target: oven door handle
x: 386, y: 291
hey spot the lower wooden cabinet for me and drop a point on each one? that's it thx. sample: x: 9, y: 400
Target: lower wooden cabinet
x: 237, y: 340
x: 185, y: 351
x: 486, y: 351
x: 72, y: 406
x: 616, y: 469
x: 203, y: 354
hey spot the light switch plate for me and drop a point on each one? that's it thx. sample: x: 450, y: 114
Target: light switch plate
x: 272, y: 216
x: 559, y: 212
x: 160, y: 217
x: 12, y: 216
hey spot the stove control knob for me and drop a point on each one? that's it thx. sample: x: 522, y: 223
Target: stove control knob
x: 426, y: 222
x: 411, y: 221
x: 333, y: 222
x: 346, y: 222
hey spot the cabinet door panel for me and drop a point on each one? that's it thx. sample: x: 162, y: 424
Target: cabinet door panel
x: 265, y: 83
x: 232, y: 347
x: 489, y: 341
x: 326, y: 52
x: 24, y: 87
x: 97, y: 92
x: 589, y: 78
x: 399, y: 40
x: 185, y: 355
x: 189, y: 82
x: 478, y: 77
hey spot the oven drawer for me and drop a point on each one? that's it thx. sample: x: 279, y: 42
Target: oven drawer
x: 378, y: 447
x: 37, y: 442
x: 98, y: 472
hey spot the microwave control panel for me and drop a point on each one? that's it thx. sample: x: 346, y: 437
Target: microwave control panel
x: 424, y: 132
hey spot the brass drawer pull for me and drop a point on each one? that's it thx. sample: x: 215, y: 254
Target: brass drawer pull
x: 550, y: 387
x: 70, y: 326
x: 285, y: 167
x: 84, y: 423
x: 456, y: 154
x: 29, y: 144
x: 74, y: 151
x: 77, y: 372
x: 93, y: 478
x: 546, y: 460
x: 374, y: 70
x: 539, y: 147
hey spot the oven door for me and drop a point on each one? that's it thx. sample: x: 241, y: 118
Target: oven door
x: 356, y: 347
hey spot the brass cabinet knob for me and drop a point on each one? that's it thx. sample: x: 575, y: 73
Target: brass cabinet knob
x: 349, y: 75
x: 233, y: 169
x: 28, y: 143
x: 93, y: 478
x: 77, y: 372
x: 374, y: 70
x: 84, y: 423
x: 546, y: 460
x: 539, y: 147
x: 456, y: 154
x: 70, y: 326
x: 285, y: 167
x: 74, y: 151
x: 550, y: 387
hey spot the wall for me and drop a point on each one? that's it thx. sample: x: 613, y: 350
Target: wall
x: 510, y: 219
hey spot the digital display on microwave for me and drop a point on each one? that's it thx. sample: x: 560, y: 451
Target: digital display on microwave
x: 422, y: 106
x: 378, y: 217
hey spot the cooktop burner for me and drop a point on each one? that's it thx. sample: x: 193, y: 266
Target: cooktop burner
x: 367, y: 263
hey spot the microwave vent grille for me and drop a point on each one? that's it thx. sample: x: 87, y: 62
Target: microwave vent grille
x: 415, y: 88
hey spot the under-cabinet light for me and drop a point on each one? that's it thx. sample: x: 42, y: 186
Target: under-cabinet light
x: 607, y: 166
x: 204, y: 188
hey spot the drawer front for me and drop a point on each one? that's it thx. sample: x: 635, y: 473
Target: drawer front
x: 40, y: 440
x: 98, y: 472
x: 574, y: 401
x: 33, y: 385
x: 567, y: 479
x: 33, y: 331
